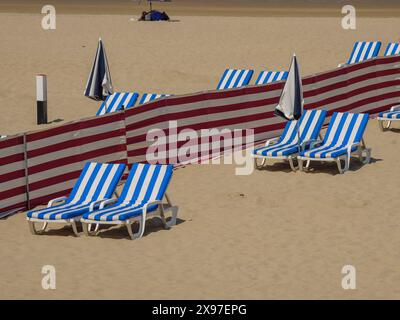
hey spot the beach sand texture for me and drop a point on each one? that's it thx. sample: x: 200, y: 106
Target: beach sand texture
x: 238, y: 237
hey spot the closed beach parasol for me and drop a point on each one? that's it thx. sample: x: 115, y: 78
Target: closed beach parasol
x: 99, y: 84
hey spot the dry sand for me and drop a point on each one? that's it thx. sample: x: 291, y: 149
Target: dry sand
x: 260, y: 245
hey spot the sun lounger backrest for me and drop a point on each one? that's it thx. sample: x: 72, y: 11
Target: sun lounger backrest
x: 97, y: 181
x: 266, y: 77
x: 392, y: 49
x: 147, y: 97
x: 233, y: 78
x: 364, y: 51
x: 146, y: 182
x: 309, y: 126
x: 346, y: 128
x: 116, y: 101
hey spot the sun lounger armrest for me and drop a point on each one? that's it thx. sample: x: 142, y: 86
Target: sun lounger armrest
x: 53, y: 201
x: 351, y: 146
x: 311, y: 143
x: 106, y: 202
x: 272, y: 141
x: 158, y: 202
x: 94, y: 203
x: 395, y: 108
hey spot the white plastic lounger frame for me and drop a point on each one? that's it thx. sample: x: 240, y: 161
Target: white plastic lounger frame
x: 363, y: 51
x: 389, y: 116
x: 286, y: 147
x: 342, y: 139
x: 140, y: 199
x: 96, y: 183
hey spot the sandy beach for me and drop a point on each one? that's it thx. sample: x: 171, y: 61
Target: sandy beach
x: 238, y: 237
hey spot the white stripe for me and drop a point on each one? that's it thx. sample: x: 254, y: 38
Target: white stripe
x: 231, y: 84
x: 84, y: 182
x: 224, y: 81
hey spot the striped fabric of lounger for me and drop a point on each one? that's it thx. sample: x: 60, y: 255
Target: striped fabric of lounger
x: 288, y: 144
x: 116, y: 101
x: 266, y: 77
x: 392, y: 49
x: 147, y: 97
x: 389, y: 116
x: 96, y: 183
x: 142, y: 194
x: 233, y: 78
x: 364, y: 51
x: 343, y: 137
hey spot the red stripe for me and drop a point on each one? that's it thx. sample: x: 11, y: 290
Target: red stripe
x: 201, y: 112
x: 12, y: 175
x: 74, y: 143
x: 12, y: 159
x: 75, y: 158
x: 12, y: 192
x: 46, y: 198
x: 342, y: 84
x: 11, y: 142
x: 54, y: 180
x: 20, y: 206
x: 79, y: 125
x: 352, y: 93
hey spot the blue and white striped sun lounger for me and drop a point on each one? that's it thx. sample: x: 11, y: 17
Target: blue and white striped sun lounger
x: 343, y: 138
x: 392, y: 49
x: 147, y: 97
x: 233, y: 78
x: 389, y: 116
x: 287, y: 145
x: 266, y: 77
x: 140, y: 198
x: 117, y: 101
x: 363, y: 51
x: 95, y: 184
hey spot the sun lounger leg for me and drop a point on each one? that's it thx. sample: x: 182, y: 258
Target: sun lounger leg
x: 382, y: 125
x: 260, y: 166
x: 291, y: 164
x: 33, y: 229
x: 142, y: 223
x: 339, y: 165
x: 74, y: 228
x: 87, y: 229
x: 300, y: 164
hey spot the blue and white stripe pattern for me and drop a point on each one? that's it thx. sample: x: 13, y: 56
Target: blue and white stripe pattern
x: 147, y: 97
x: 390, y: 115
x: 97, y: 181
x: 266, y: 77
x: 345, y: 129
x: 233, y: 78
x: 145, y: 183
x: 116, y: 101
x: 310, y: 124
x: 392, y: 49
x: 364, y: 51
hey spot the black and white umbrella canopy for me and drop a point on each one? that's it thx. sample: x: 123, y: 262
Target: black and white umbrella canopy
x: 291, y: 101
x: 99, y: 84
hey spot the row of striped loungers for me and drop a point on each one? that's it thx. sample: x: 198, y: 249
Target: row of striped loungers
x: 364, y: 50
x: 90, y: 201
x: 343, y: 138
x: 125, y: 100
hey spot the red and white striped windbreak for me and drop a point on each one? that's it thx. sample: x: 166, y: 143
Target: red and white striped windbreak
x: 55, y: 156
